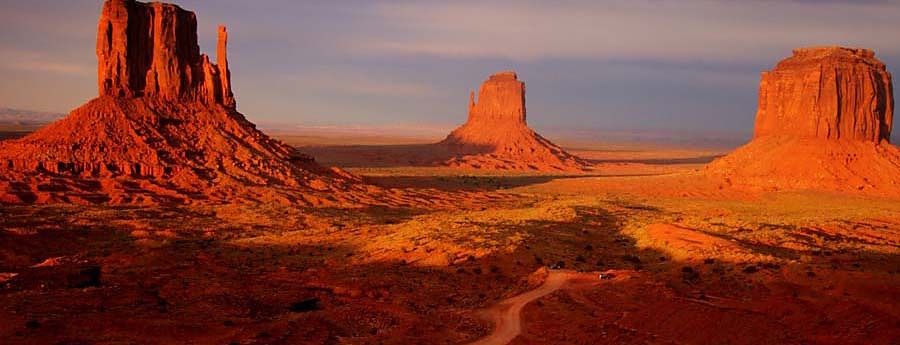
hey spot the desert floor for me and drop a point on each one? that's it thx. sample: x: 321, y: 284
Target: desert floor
x: 683, y: 260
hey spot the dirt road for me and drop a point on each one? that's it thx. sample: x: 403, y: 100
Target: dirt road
x: 507, y: 314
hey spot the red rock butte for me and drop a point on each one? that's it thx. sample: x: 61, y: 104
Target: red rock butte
x: 164, y: 128
x: 151, y: 50
x: 497, y: 137
x: 824, y: 122
x: 829, y: 93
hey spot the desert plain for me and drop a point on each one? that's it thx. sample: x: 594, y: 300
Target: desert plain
x: 677, y: 253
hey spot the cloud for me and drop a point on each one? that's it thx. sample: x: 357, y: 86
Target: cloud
x: 683, y: 30
x: 33, y: 61
x: 343, y: 81
x: 68, y: 19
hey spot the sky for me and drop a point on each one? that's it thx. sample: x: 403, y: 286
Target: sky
x: 684, y: 66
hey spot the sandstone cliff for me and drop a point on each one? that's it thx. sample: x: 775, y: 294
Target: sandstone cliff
x: 824, y: 122
x: 829, y: 93
x: 497, y: 137
x: 151, y: 50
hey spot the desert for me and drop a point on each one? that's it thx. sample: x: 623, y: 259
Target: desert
x: 158, y: 212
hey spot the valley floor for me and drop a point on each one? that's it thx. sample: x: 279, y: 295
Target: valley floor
x: 683, y: 260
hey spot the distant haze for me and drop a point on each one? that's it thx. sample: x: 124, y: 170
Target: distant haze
x: 26, y: 117
x: 688, y: 67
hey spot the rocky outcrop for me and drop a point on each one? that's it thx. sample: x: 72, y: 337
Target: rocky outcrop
x: 163, y: 129
x: 151, y: 50
x: 497, y: 137
x: 828, y: 93
x: 824, y: 122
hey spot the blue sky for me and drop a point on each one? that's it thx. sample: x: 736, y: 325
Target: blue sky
x: 609, y: 65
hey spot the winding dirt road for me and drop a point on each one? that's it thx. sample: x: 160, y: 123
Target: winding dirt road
x: 507, y: 314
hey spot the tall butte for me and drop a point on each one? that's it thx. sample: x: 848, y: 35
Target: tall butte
x: 497, y: 137
x: 164, y: 128
x: 824, y: 122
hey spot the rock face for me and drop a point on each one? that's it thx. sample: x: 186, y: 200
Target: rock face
x: 828, y: 93
x: 824, y: 122
x: 501, y: 100
x: 151, y: 50
x: 496, y: 135
x: 163, y: 129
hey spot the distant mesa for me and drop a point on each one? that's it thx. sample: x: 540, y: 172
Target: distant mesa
x: 9, y: 116
x: 164, y: 128
x: 496, y: 135
x: 824, y: 122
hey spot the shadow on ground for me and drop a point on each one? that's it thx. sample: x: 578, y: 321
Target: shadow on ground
x: 181, y: 285
x: 462, y: 182
x: 173, y: 283
x: 386, y: 156
x: 660, y: 161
